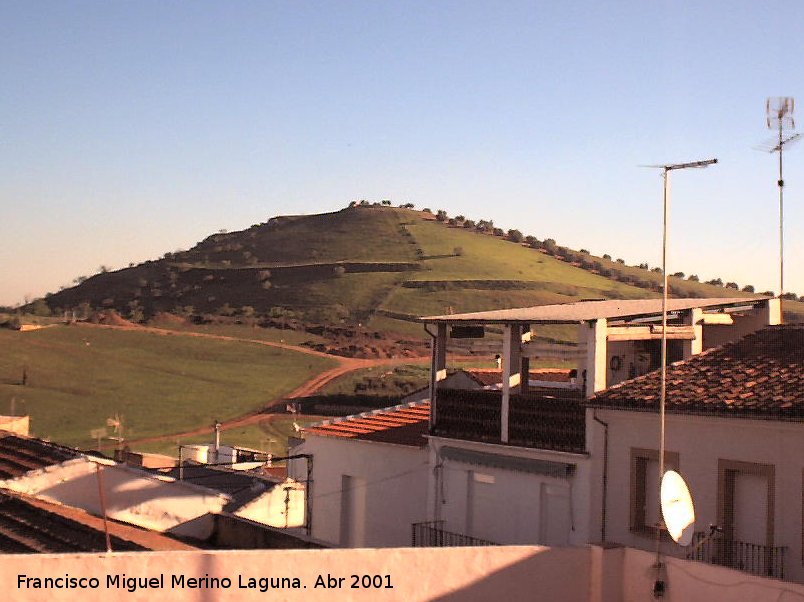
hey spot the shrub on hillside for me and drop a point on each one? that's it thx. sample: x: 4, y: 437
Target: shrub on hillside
x: 515, y: 236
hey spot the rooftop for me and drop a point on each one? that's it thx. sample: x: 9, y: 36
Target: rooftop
x: 20, y: 454
x: 30, y: 525
x: 241, y: 485
x: 581, y: 311
x: 488, y: 377
x: 402, y: 425
x: 758, y: 376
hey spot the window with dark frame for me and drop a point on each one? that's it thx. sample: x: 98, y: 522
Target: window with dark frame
x: 645, y: 515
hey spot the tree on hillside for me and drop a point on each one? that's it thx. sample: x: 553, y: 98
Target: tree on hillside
x: 621, y: 260
x: 748, y: 288
x: 485, y: 225
x: 733, y: 285
x: 427, y: 210
x: 585, y: 251
x: 469, y: 224
x: 515, y: 236
x: 789, y: 296
x: 715, y: 282
x: 693, y: 278
x: 386, y: 202
x: 678, y: 275
x: 40, y: 308
x: 607, y: 256
x: 549, y: 245
x: 460, y: 218
x: 530, y: 240
x: 498, y: 232
x: 441, y: 215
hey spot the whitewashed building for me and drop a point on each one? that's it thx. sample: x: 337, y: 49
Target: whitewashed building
x: 734, y: 430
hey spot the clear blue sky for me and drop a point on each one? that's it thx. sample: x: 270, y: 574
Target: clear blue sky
x: 129, y: 129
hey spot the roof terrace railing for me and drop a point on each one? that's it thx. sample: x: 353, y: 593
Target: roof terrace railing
x: 536, y: 420
x: 433, y: 535
x: 764, y: 561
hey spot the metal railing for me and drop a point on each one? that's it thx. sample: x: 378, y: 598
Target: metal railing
x: 433, y: 535
x: 555, y: 422
x: 765, y: 561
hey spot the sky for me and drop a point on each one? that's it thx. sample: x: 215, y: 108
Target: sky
x: 130, y: 129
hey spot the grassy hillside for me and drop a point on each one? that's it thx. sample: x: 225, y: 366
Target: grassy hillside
x: 373, y: 265
x: 77, y: 377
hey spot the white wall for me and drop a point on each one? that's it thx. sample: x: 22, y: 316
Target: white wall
x: 700, y: 442
x: 416, y: 574
x: 509, y: 506
x: 282, y: 506
x: 389, y: 489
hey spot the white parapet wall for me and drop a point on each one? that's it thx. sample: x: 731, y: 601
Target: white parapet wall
x: 529, y: 573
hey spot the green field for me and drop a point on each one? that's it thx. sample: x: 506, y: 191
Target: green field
x: 77, y: 377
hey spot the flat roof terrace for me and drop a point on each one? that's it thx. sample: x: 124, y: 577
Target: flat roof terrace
x: 584, y: 311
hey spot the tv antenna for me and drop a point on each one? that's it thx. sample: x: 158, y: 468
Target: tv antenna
x: 779, y: 117
x: 671, y: 488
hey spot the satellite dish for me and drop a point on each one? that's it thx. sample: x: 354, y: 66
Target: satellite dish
x: 677, y: 508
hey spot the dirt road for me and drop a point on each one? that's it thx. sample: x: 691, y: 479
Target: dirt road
x: 345, y: 366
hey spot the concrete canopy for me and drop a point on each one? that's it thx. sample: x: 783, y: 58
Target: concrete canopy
x: 584, y: 311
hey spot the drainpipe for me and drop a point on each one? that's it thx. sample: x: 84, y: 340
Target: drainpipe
x: 605, y: 472
x: 434, y: 338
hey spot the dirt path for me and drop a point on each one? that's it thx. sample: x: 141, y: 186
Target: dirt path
x: 345, y: 366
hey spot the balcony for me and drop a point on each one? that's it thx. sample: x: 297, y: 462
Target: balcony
x: 764, y: 561
x: 432, y: 535
x: 554, y: 421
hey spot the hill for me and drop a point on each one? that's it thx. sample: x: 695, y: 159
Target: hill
x: 378, y: 266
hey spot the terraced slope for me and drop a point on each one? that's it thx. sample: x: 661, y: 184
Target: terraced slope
x: 375, y: 265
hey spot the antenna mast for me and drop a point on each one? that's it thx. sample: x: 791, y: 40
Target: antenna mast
x: 666, y: 169
x: 779, y: 117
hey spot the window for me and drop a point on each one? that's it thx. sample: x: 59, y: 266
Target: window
x: 745, y: 501
x: 746, y: 513
x: 645, y: 512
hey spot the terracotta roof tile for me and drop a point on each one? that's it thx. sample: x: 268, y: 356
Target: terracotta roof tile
x: 761, y: 376
x: 403, y: 425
